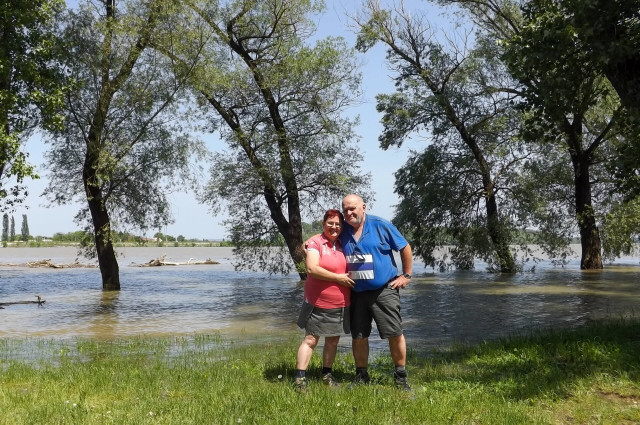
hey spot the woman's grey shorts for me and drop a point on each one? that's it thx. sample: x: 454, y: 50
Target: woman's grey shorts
x: 324, y: 321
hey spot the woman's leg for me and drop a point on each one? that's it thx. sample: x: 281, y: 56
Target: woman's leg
x: 305, y: 351
x: 330, y: 350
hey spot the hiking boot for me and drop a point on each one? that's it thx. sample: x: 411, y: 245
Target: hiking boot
x: 401, y: 382
x: 360, y: 379
x: 300, y: 385
x: 329, y: 380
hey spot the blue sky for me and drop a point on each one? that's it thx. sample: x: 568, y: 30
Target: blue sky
x: 192, y: 219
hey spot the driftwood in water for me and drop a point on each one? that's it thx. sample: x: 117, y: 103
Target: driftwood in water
x: 39, y: 301
x: 162, y: 262
x: 49, y: 264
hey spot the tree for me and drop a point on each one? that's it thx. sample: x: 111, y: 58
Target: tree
x: 5, y: 227
x: 24, y: 228
x: 123, y: 146
x: 570, y: 114
x: 278, y: 103
x: 30, y: 89
x: 452, y: 192
x: 12, y: 230
x: 610, y: 32
x: 570, y: 104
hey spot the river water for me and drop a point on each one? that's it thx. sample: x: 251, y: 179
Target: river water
x: 439, y: 309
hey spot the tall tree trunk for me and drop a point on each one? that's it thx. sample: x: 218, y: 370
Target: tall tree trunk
x: 107, y: 261
x: 291, y: 232
x: 501, y: 248
x: 589, y: 233
x: 294, y: 244
x: 291, y: 228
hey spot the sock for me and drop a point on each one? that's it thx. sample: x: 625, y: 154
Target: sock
x: 326, y: 370
x: 300, y: 373
x: 401, y: 371
x: 361, y: 371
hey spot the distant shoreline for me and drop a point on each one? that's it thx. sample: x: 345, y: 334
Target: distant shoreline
x: 52, y: 244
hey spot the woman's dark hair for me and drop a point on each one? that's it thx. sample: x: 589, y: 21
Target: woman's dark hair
x: 333, y: 213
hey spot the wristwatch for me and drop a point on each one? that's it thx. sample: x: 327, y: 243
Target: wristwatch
x: 407, y: 275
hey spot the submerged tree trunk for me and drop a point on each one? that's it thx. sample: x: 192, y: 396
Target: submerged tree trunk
x: 501, y: 247
x: 589, y: 233
x: 107, y: 261
x: 291, y: 230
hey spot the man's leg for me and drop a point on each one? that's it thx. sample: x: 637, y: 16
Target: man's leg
x: 398, y: 348
x: 389, y: 321
x: 360, y: 348
x: 360, y: 330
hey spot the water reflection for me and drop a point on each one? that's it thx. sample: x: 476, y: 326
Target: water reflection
x: 473, y: 306
x: 104, y: 318
x: 439, y: 309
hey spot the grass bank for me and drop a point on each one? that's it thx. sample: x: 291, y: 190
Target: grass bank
x: 588, y: 375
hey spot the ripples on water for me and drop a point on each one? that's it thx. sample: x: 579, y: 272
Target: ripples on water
x: 439, y: 309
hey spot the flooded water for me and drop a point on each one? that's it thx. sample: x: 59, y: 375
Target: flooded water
x: 439, y: 309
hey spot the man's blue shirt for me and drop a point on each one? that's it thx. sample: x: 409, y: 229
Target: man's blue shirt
x: 370, y: 260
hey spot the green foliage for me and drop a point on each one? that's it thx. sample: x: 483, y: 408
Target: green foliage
x: 570, y: 113
x: 5, y: 227
x: 278, y: 102
x: 76, y: 236
x: 126, y: 141
x: 433, y: 215
x: 30, y: 88
x: 620, y: 229
x: 568, y: 103
x: 12, y: 229
x: 24, y: 228
x: 462, y: 98
x: 609, y: 30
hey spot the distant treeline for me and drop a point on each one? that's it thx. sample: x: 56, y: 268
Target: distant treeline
x: 126, y: 238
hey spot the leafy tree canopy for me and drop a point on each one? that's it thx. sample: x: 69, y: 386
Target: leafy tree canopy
x: 30, y: 90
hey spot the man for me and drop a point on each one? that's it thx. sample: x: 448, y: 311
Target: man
x: 369, y: 242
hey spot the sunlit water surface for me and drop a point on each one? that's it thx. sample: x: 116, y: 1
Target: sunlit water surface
x: 439, y: 309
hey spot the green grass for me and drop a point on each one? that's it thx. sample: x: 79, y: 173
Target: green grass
x: 587, y: 376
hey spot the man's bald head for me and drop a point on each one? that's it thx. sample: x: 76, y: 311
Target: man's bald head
x: 353, y: 208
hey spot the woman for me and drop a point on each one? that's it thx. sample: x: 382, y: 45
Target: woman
x: 327, y: 290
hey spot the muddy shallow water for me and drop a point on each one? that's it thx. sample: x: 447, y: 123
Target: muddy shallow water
x: 439, y: 309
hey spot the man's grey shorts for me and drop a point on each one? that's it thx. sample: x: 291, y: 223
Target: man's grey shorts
x: 324, y: 321
x: 381, y: 305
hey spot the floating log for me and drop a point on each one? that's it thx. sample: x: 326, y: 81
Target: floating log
x: 39, y: 301
x: 162, y: 262
x: 49, y: 264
